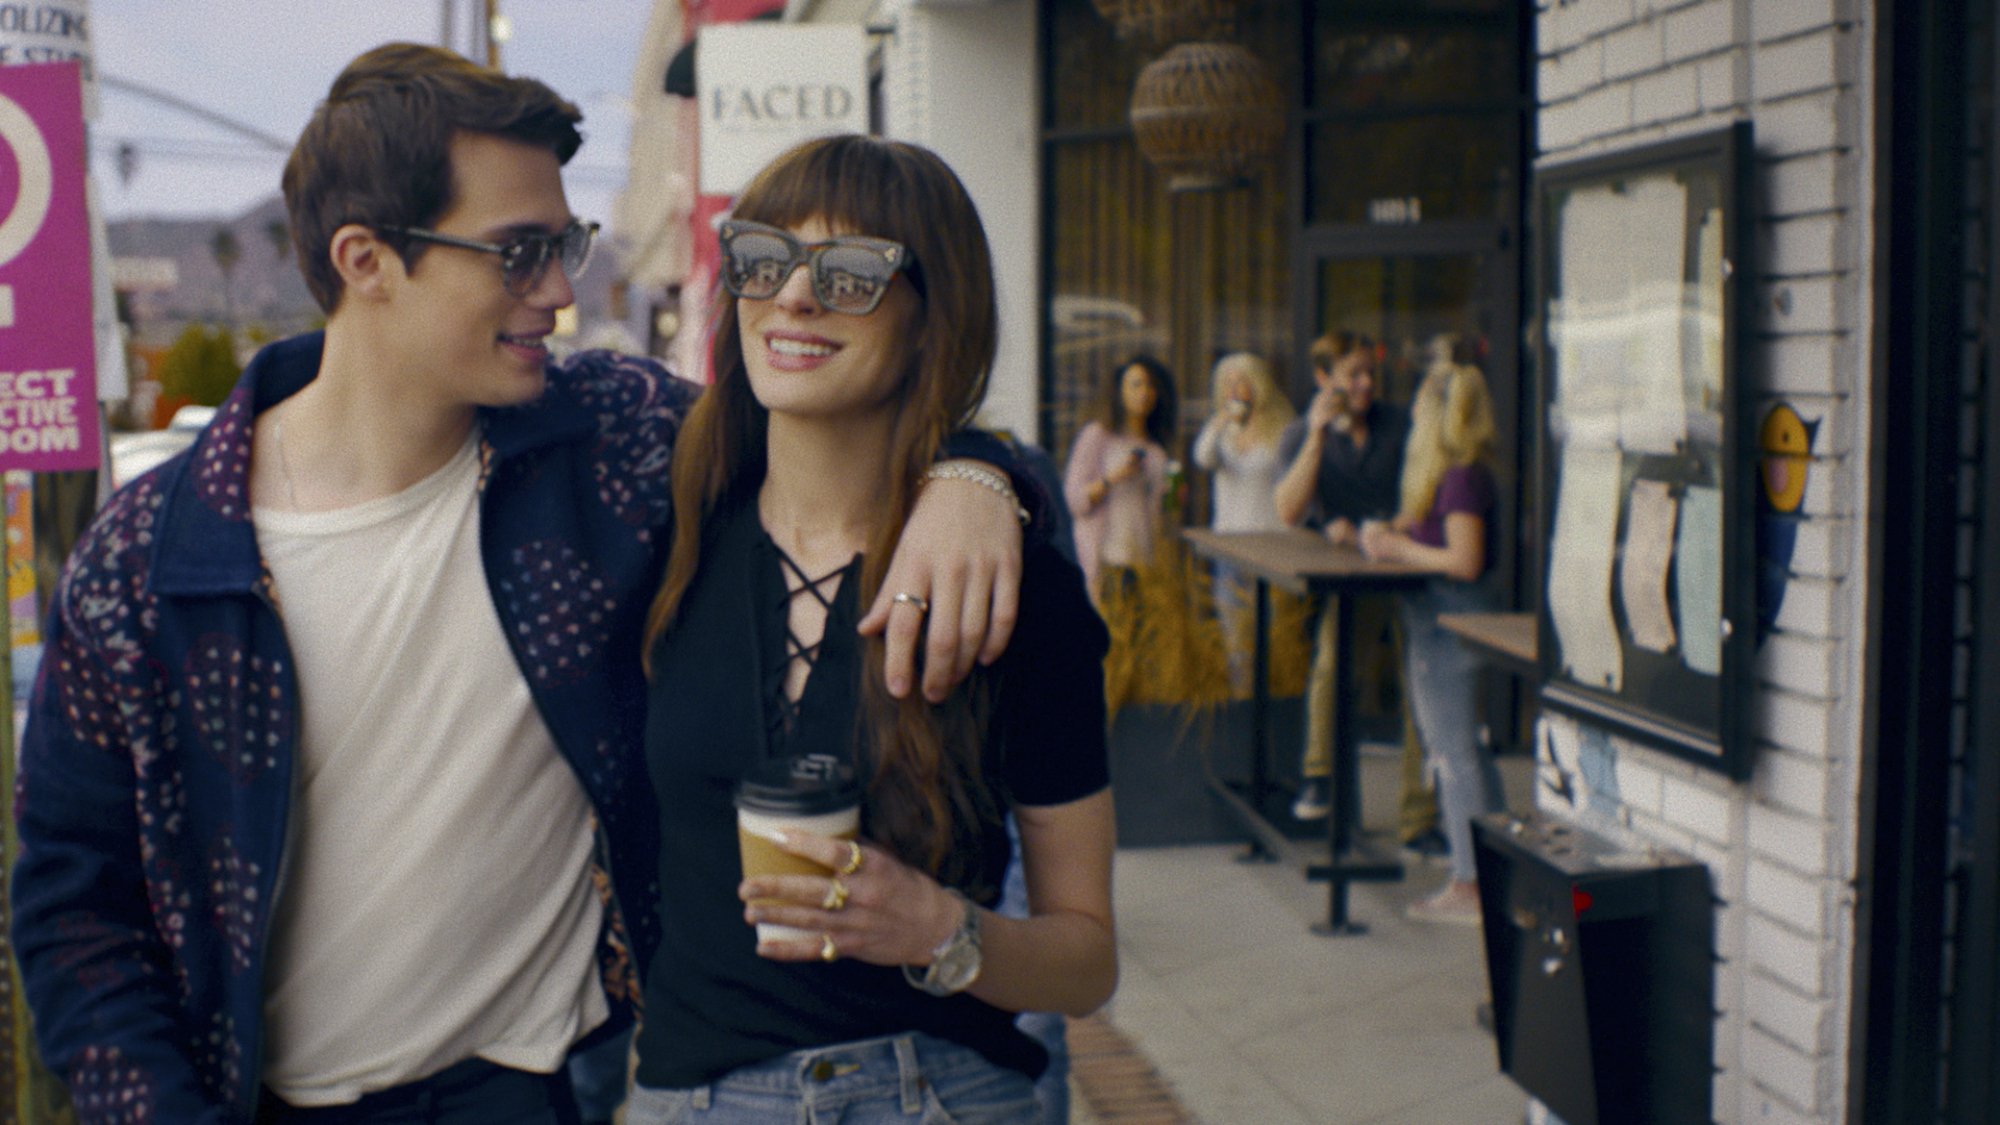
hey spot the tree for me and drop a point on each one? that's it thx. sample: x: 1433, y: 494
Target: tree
x: 227, y: 252
x: 200, y: 367
x: 280, y: 236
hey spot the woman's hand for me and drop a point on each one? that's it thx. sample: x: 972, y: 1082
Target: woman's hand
x: 1380, y: 541
x: 1127, y: 468
x: 1124, y: 470
x: 881, y: 911
x: 1341, y: 532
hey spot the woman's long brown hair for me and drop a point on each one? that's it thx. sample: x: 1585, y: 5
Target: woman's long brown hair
x: 926, y: 800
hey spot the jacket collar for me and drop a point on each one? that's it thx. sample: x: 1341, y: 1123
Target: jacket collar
x: 205, y: 543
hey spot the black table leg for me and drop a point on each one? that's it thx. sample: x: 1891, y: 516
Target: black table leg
x: 1260, y: 731
x: 1347, y: 862
x: 1346, y: 810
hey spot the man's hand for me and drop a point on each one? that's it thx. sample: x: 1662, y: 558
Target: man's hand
x: 1326, y: 408
x: 960, y: 555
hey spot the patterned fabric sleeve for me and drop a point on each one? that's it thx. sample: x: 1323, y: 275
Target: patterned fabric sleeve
x: 97, y: 971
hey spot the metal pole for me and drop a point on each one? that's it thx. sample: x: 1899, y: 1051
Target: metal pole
x: 446, y: 12
x: 492, y: 44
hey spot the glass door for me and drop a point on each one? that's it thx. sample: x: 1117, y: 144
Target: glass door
x: 1404, y: 287
x: 1404, y: 297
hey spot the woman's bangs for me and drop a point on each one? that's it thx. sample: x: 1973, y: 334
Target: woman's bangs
x: 850, y: 183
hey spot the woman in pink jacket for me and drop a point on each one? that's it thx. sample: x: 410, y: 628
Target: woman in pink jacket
x: 1116, y: 480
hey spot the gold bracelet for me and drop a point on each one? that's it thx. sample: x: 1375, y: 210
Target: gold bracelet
x: 983, y: 477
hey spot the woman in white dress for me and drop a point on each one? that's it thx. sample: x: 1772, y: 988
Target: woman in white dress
x: 1239, y: 447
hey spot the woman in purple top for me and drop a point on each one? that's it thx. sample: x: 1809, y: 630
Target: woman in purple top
x: 1448, y: 503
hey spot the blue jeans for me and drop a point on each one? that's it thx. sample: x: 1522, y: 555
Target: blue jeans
x: 1442, y: 676
x: 910, y: 1079
x: 473, y: 1092
x: 1235, y: 610
x: 598, y: 1075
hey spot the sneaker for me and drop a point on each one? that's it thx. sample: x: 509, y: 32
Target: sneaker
x: 1457, y: 905
x: 1429, y: 845
x: 1314, y: 800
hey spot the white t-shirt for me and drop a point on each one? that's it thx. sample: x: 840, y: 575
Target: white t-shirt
x: 435, y: 901
x: 1245, y: 481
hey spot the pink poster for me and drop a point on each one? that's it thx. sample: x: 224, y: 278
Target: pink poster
x: 48, y: 363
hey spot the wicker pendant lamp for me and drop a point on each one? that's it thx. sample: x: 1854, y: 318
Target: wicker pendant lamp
x: 1167, y: 21
x: 1204, y: 113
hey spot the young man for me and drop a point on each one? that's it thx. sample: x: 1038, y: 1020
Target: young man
x: 327, y: 802
x: 1344, y: 465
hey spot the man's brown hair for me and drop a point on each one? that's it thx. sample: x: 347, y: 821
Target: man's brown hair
x: 378, y: 150
x: 1335, y: 344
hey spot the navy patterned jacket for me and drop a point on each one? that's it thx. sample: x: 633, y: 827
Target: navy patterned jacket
x: 156, y: 774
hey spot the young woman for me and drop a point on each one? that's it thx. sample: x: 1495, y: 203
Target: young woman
x: 860, y: 334
x: 1116, y: 480
x: 1239, y: 446
x: 1448, y: 505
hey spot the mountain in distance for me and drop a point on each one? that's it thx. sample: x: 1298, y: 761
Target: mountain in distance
x: 265, y: 290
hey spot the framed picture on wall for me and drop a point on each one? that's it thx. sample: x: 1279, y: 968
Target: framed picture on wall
x: 1647, y: 622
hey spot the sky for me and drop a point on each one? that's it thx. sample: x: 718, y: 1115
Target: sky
x: 266, y: 65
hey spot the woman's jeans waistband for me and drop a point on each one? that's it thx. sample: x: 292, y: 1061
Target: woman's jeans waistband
x: 911, y: 1078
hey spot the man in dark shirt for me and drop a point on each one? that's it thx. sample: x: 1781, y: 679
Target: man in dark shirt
x: 1344, y: 465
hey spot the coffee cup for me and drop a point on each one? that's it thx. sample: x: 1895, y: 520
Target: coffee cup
x: 813, y: 795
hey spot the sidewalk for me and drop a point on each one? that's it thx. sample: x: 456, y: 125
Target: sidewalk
x: 1253, y: 1020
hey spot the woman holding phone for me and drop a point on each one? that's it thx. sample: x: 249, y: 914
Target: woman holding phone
x: 1116, y: 479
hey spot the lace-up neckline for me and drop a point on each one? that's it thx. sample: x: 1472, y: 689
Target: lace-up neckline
x: 784, y: 705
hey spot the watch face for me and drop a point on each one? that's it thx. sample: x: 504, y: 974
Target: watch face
x: 959, y: 967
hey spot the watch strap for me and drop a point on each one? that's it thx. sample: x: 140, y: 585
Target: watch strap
x: 930, y: 978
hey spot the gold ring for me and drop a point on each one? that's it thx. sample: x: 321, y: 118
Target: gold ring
x: 909, y: 599
x: 853, y: 863
x: 836, y: 895
x: 827, y: 952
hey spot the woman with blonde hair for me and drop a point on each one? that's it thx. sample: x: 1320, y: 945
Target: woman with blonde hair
x: 859, y: 333
x: 1239, y: 446
x: 1449, y: 497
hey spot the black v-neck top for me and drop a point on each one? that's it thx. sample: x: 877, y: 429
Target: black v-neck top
x: 712, y: 1004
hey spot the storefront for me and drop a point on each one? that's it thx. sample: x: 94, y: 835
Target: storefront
x: 1855, y: 854
x: 1855, y: 857
x: 1392, y: 208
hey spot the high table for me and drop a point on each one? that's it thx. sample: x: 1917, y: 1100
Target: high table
x: 1505, y: 640
x: 1305, y: 563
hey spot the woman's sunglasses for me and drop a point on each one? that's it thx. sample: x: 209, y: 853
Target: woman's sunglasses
x: 849, y: 273
x: 524, y: 259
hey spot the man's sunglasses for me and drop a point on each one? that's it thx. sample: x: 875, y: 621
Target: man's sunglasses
x: 849, y: 273
x: 523, y: 260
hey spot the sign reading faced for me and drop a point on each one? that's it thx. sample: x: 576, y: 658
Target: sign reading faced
x: 764, y: 87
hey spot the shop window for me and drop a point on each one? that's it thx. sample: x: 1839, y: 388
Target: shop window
x: 1411, y: 169
x: 1091, y: 70
x: 1414, y: 66
x: 1135, y: 268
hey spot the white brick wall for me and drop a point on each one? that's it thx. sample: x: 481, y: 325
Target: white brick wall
x: 1780, y: 846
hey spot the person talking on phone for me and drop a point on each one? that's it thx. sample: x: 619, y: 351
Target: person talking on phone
x: 1344, y: 465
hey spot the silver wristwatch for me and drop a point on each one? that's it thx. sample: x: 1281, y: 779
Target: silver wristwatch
x: 955, y: 963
